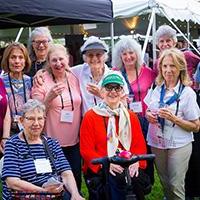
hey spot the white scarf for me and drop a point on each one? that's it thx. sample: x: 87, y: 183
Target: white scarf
x: 124, y: 135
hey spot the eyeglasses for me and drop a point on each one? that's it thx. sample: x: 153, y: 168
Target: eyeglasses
x: 117, y: 88
x: 33, y: 119
x: 39, y: 42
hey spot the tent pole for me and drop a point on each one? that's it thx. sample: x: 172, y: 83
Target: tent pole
x: 112, y: 36
x: 180, y: 31
x: 148, y: 32
x: 29, y: 31
x: 154, y: 39
x: 19, y: 34
x: 188, y: 33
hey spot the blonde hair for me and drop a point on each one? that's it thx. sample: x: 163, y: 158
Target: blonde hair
x: 8, y: 51
x: 180, y: 63
x: 53, y: 48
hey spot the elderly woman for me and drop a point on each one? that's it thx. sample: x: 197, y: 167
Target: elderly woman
x: 5, y: 118
x: 15, y: 63
x: 61, y: 94
x: 173, y: 115
x: 90, y: 73
x: 27, y: 163
x: 107, y: 127
x: 38, y: 46
x: 165, y: 39
x: 127, y: 58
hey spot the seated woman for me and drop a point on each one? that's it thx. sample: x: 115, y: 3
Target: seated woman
x: 27, y: 164
x: 107, y: 127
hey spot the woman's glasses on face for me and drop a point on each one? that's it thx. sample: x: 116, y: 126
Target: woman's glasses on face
x: 39, y: 42
x: 116, y: 88
x: 33, y: 119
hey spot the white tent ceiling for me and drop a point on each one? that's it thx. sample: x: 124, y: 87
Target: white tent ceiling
x: 174, y: 9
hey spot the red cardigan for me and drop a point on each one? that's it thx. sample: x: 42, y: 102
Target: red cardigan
x: 93, y: 143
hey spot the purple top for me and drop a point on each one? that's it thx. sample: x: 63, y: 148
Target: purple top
x: 3, y: 105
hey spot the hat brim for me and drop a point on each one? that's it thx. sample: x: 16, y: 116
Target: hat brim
x: 95, y: 46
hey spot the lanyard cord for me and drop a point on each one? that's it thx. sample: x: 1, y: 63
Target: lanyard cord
x: 70, y: 93
x: 94, y: 98
x: 13, y: 93
x: 27, y: 144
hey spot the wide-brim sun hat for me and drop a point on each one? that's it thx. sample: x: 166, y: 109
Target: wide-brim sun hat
x: 94, y: 46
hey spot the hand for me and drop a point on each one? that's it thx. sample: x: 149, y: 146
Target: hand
x: 116, y: 168
x: 56, y: 90
x: 166, y: 114
x: 93, y: 89
x: 133, y: 169
x: 152, y: 117
x: 38, y: 79
x: 58, y: 188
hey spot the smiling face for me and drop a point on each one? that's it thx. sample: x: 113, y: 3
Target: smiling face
x: 58, y: 61
x: 33, y: 123
x: 40, y: 47
x: 112, y: 94
x: 165, y: 42
x: 129, y: 58
x: 170, y: 72
x: 16, y: 61
x: 95, y: 57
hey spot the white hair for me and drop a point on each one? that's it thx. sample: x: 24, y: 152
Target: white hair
x: 124, y: 44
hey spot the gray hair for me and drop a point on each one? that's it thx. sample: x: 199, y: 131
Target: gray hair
x: 33, y: 104
x: 124, y: 44
x: 40, y: 31
x: 166, y: 30
x: 94, y: 39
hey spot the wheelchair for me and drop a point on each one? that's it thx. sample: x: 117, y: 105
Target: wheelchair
x: 125, y: 163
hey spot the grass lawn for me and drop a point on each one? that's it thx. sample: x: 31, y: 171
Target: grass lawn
x: 156, y: 193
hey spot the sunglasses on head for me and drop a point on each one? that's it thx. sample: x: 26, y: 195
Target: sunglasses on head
x: 116, y: 88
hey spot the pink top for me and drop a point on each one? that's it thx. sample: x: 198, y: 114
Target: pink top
x: 65, y: 132
x: 145, y: 79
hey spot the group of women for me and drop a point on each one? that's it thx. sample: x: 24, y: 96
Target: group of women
x: 119, y: 110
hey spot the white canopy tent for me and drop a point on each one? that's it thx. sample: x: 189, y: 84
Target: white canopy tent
x: 183, y: 10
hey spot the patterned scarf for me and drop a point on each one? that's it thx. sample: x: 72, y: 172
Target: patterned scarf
x: 124, y: 136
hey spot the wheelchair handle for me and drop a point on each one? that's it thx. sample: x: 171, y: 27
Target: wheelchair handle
x: 123, y: 161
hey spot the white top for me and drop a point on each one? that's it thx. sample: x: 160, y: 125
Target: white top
x: 172, y: 136
x: 83, y: 73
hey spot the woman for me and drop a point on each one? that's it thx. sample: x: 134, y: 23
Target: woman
x: 5, y: 119
x: 127, y: 57
x: 27, y: 165
x: 90, y: 73
x: 107, y: 127
x: 38, y: 46
x: 173, y: 115
x: 61, y: 95
x: 166, y: 39
x: 15, y: 63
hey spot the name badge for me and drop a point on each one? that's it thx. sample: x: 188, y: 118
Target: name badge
x: 136, y: 106
x: 67, y: 116
x: 42, y: 166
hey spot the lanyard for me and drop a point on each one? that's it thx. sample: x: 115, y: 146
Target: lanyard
x: 174, y: 98
x: 70, y: 94
x: 13, y: 93
x: 94, y: 98
x: 29, y: 150
x: 124, y: 74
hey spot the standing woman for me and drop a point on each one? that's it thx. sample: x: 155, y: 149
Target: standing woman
x: 15, y: 63
x: 173, y: 115
x: 5, y: 119
x: 127, y: 58
x: 61, y: 95
x: 38, y: 45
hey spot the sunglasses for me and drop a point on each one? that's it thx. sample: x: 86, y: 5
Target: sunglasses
x: 116, y: 88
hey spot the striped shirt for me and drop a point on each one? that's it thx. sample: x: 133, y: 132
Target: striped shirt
x: 18, y: 162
